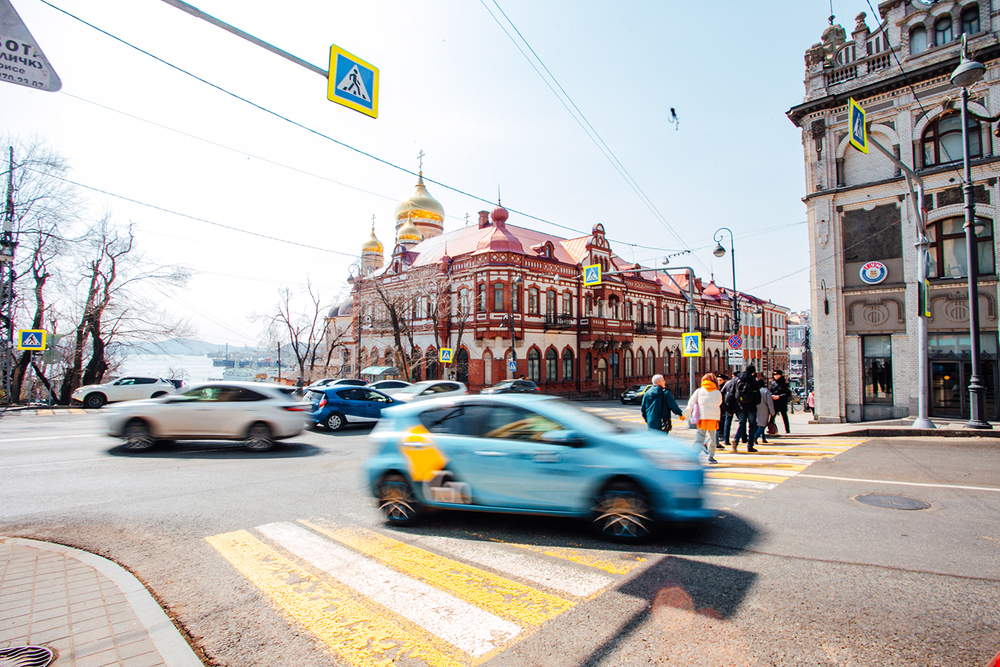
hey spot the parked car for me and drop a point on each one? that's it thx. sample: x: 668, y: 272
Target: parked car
x: 177, y: 383
x: 531, y: 455
x: 634, y: 393
x: 123, y: 389
x: 256, y: 413
x: 420, y: 391
x: 340, y: 405
x: 513, y: 387
x: 386, y: 385
x: 329, y: 382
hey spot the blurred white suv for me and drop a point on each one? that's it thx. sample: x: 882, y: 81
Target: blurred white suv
x: 123, y: 389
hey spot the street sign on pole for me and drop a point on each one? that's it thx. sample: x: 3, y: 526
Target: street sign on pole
x: 859, y: 133
x: 735, y: 342
x: 445, y: 354
x: 512, y: 366
x: 735, y: 357
x: 31, y: 339
x: 592, y: 275
x: 352, y: 82
x: 692, y: 345
x: 21, y: 61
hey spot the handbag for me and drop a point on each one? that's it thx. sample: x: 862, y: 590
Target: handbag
x: 772, y: 429
x: 695, y: 415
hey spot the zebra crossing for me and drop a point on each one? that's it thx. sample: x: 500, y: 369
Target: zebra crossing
x: 438, y: 601
x: 744, y: 475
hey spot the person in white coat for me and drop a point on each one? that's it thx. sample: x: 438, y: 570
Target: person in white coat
x: 705, y: 408
x: 765, y: 409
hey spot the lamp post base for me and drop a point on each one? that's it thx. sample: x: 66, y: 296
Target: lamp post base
x: 923, y: 422
x: 979, y: 424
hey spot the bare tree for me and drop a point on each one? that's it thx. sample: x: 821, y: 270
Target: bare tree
x: 304, y: 328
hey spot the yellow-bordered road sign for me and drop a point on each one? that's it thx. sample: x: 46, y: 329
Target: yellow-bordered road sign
x: 352, y: 82
x: 445, y: 354
x: 859, y: 133
x: 592, y: 275
x: 31, y: 339
x: 692, y: 346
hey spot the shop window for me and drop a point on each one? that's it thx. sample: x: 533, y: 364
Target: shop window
x: 947, y: 256
x: 918, y: 40
x: 942, y: 140
x: 876, y: 369
x: 551, y: 365
x: 534, y: 365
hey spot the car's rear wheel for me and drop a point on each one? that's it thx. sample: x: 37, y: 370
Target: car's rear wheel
x: 335, y: 421
x: 396, y: 500
x: 94, y: 401
x: 137, y: 435
x: 623, y: 513
x: 259, y: 438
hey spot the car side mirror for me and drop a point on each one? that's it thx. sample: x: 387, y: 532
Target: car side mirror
x: 563, y: 437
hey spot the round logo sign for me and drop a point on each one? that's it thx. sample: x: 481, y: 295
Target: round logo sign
x: 873, y: 273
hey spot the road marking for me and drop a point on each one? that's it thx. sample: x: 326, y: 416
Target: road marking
x: 616, y: 566
x: 473, y: 630
x: 885, y: 481
x: 739, y: 483
x: 486, y: 590
x: 750, y: 477
x: 557, y: 577
x: 354, y: 631
x: 78, y: 436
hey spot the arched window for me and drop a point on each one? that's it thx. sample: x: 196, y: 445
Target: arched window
x: 462, y: 366
x: 629, y: 312
x: 942, y: 31
x: 498, y: 297
x: 970, y: 20
x: 668, y: 362
x: 613, y: 302
x: 567, y: 360
x: 551, y: 365
x: 550, y: 303
x: 515, y: 297
x: 918, y: 40
x: 533, y: 301
x: 463, y: 301
x: 942, y: 140
x: 677, y: 317
x: 640, y: 364
x: 651, y: 362
x: 534, y: 365
x: 481, y: 300
x: 567, y: 304
x: 589, y: 304
x: 588, y: 371
x: 600, y: 307
x: 431, y: 365
x: 628, y: 363
x: 948, y: 256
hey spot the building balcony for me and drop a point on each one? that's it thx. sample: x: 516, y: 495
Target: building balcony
x: 645, y: 328
x: 559, y: 321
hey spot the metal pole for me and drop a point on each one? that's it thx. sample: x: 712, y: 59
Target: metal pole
x: 691, y: 315
x: 7, y: 245
x: 976, y: 388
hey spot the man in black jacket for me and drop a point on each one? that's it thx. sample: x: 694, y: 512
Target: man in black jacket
x: 747, y: 394
x: 782, y: 394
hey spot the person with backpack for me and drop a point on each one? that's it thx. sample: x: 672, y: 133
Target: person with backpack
x: 747, y: 392
x: 729, y: 408
x: 765, y: 410
x: 782, y: 394
x: 657, y: 404
x: 705, y: 409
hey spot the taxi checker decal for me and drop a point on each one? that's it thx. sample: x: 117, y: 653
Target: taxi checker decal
x: 426, y: 464
x: 873, y: 273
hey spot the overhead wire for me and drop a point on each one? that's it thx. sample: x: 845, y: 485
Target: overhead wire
x: 321, y: 134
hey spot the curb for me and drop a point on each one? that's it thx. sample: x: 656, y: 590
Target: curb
x: 167, y: 639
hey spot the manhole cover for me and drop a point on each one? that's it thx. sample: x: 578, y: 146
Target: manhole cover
x: 26, y: 656
x: 892, y: 502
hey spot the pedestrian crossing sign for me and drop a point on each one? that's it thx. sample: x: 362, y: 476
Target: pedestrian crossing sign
x: 859, y: 133
x: 692, y: 344
x: 444, y: 354
x: 31, y: 339
x: 592, y: 275
x: 352, y: 82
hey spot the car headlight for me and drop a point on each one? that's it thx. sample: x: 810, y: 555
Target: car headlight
x: 667, y: 460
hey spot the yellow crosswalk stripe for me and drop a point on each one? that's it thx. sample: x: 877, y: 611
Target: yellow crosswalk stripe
x: 496, y: 594
x: 359, y: 634
x: 617, y: 566
x: 771, y: 479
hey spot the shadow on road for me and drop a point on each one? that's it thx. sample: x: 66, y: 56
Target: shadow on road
x: 360, y: 429
x: 217, y: 450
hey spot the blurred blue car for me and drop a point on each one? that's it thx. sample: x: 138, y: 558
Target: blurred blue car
x: 531, y: 454
x: 339, y: 405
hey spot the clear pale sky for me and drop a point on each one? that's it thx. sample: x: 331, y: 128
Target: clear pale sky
x: 454, y: 85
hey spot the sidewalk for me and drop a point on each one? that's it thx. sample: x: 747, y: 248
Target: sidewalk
x: 86, y: 609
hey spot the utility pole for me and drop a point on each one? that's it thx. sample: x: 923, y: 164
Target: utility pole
x: 7, y: 245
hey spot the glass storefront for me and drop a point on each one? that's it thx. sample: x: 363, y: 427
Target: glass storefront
x: 950, y: 359
x: 876, y: 365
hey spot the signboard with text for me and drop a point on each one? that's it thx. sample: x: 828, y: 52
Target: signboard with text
x: 21, y: 61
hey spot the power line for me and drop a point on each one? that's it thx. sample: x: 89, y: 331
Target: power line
x: 317, y: 132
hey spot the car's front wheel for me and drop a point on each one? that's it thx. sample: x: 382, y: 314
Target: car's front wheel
x: 137, y: 435
x: 259, y: 438
x: 396, y: 500
x: 158, y: 394
x: 335, y: 421
x: 94, y: 401
x: 623, y: 513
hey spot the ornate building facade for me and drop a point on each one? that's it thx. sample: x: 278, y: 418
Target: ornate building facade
x: 862, y: 227
x: 510, y: 301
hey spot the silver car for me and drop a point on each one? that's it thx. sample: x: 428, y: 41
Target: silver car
x: 258, y: 414
x: 420, y: 391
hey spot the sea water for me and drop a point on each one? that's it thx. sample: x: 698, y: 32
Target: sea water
x: 188, y: 368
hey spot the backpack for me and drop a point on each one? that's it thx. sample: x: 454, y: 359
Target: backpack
x: 747, y: 395
x: 729, y: 402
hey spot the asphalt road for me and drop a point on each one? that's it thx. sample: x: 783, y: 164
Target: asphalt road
x: 801, y: 573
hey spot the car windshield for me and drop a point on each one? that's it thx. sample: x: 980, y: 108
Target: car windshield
x: 413, y: 389
x: 580, y: 420
x: 504, y: 384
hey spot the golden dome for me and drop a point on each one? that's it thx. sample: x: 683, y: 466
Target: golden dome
x: 372, y: 245
x: 409, y: 234
x: 422, y: 210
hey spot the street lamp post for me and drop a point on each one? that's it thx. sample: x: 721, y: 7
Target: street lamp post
x: 720, y: 252
x: 966, y: 74
x: 514, y: 285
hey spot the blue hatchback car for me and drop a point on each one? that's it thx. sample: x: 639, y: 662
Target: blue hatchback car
x: 340, y: 405
x: 531, y: 454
